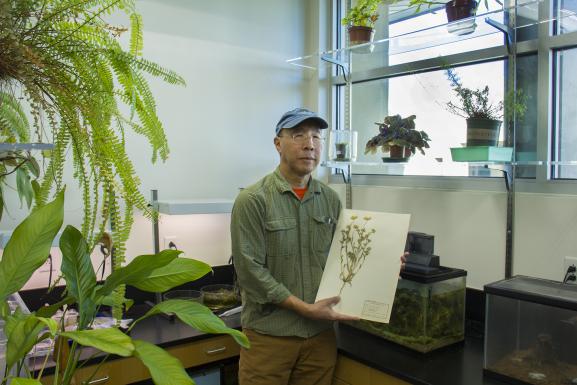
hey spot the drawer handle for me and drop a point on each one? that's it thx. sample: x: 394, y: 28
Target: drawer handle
x: 98, y: 381
x: 216, y: 351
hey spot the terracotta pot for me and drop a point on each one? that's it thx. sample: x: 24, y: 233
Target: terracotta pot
x: 360, y: 35
x: 483, y: 132
x: 460, y: 9
x: 399, y: 152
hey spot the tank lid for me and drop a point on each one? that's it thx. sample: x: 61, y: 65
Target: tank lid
x: 538, y: 290
x: 423, y: 274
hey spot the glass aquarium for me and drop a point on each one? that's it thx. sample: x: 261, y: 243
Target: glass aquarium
x: 428, y: 311
x: 531, y: 331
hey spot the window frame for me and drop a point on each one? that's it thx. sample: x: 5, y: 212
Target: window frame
x: 543, y: 47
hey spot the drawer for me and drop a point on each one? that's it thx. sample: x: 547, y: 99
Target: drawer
x: 205, y: 351
x: 352, y: 372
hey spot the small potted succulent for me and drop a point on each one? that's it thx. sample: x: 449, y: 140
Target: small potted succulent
x: 398, y: 137
x: 360, y: 20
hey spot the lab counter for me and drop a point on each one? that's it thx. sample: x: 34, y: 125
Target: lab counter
x: 459, y: 364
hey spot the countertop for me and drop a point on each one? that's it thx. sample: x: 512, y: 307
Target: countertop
x: 459, y: 364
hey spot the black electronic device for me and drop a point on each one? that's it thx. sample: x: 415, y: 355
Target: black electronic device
x: 420, y: 243
x: 421, y: 259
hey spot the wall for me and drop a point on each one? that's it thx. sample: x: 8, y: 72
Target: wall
x: 220, y: 128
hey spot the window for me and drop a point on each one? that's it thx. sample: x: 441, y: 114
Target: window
x: 566, y: 112
x: 424, y: 95
x: 404, y: 76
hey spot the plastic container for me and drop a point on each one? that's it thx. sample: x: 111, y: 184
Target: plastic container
x: 531, y: 331
x: 192, y: 295
x: 343, y: 146
x: 428, y: 310
x: 481, y: 154
x: 220, y: 296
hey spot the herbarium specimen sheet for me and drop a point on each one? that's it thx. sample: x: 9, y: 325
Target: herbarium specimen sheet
x: 364, y: 263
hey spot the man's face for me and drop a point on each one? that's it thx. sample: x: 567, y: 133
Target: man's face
x: 299, y: 148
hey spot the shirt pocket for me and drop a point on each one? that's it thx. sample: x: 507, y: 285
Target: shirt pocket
x: 281, y: 250
x: 323, y: 228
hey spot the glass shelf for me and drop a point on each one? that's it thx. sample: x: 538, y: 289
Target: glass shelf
x: 197, y: 206
x: 425, y: 38
x: 344, y: 165
x: 25, y: 146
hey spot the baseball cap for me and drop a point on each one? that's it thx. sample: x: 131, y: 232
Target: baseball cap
x: 295, y: 117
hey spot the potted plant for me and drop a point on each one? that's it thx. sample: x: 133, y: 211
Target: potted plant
x: 83, y: 90
x: 28, y: 249
x: 398, y: 137
x: 483, y: 117
x: 360, y: 20
x: 455, y: 10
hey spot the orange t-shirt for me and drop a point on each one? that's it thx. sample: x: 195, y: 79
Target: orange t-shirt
x: 300, y: 192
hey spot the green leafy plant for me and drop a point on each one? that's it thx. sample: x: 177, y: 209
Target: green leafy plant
x: 355, y: 244
x: 28, y: 249
x: 473, y: 103
x: 363, y: 14
x: 397, y: 131
x: 61, y: 61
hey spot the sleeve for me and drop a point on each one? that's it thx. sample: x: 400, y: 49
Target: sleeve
x: 249, y: 251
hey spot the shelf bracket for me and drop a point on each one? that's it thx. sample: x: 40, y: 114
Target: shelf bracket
x: 344, y: 65
x: 346, y: 173
x: 507, y: 171
x: 507, y: 31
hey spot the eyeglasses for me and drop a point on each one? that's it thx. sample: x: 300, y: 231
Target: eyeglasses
x: 299, y: 138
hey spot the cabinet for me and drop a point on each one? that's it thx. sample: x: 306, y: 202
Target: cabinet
x: 128, y: 370
x: 351, y: 372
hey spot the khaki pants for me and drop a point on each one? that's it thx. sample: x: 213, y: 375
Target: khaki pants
x: 288, y: 360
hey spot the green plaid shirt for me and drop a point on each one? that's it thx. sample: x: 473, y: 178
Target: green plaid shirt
x: 280, y: 246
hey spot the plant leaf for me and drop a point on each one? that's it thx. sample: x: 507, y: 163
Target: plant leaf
x: 50, y: 310
x: 24, y: 186
x: 78, y: 272
x: 29, y: 246
x: 136, y: 271
x: 22, y: 334
x: 109, y: 340
x: 33, y: 166
x: 110, y: 300
x: 199, y: 317
x: 164, y: 368
x: 177, y: 272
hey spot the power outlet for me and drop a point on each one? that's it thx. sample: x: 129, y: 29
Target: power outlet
x: 168, y: 239
x: 567, y: 263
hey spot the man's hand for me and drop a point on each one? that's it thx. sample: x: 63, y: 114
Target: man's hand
x: 323, y: 310
x: 404, y: 260
x: 320, y: 310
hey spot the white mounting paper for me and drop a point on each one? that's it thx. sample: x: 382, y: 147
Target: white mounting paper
x: 367, y: 279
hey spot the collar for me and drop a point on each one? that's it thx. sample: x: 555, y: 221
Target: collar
x: 283, y: 185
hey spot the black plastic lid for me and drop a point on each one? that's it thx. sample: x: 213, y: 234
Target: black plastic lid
x: 431, y: 275
x: 537, y: 290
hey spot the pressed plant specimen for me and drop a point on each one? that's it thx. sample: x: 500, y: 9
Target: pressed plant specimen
x: 355, y: 246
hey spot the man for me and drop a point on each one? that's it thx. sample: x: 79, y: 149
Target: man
x: 282, y: 228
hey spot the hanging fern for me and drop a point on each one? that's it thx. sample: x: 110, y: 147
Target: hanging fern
x: 76, y: 78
